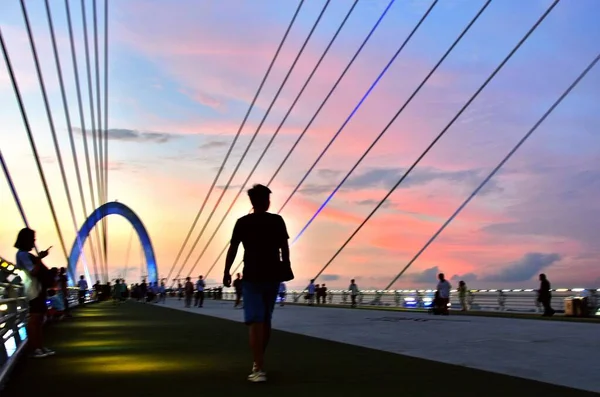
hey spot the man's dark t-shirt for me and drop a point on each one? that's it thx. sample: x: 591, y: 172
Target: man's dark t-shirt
x: 262, y: 235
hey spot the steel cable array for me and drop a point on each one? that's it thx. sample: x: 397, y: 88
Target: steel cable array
x: 373, y: 85
x: 249, y: 145
x: 14, y: 192
x: 317, y: 112
x: 496, y: 169
x: 442, y: 133
x: 100, y: 135
x: 277, y: 130
x: 69, y: 127
x: 48, y: 110
x: 264, y: 79
x: 83, y: 133
x: 106, y: 123
x: 94, y: 132
x: 32, y: 143
x: 398, y: 113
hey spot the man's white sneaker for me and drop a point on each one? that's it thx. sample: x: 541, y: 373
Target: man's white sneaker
x: 48, y: 352
x: 257, y: 377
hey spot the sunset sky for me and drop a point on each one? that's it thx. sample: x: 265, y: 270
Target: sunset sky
x: 182, y: 76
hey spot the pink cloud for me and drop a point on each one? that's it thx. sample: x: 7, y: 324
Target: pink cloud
x: 216, y: 56
x: 241, y: 54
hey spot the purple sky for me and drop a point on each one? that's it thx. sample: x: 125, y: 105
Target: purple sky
x: 181, y: 77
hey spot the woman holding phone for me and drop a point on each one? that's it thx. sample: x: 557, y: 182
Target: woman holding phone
x: 35, y: 289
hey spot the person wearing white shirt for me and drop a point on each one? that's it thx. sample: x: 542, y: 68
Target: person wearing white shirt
x: 83, y: 287
x: 311, y: 292
x: 162, y: 293
x: 34, y: 275
x: 443, y: 294
x: 200, y: 284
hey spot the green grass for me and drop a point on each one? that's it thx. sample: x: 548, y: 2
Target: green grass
x: 145, y: 350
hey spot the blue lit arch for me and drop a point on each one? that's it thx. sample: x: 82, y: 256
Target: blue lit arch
x: 96, y: 216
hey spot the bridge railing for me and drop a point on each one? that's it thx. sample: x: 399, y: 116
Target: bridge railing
x: 492, y: 300
x: 13, y: 319
x: 14, y: 310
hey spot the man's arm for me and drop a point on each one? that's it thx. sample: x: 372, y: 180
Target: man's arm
x: 285, y: 248
x: 231, y: 253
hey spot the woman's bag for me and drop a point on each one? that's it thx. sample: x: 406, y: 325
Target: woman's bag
x: 32, y: 285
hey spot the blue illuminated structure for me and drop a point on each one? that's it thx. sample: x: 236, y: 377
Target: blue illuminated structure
x: 96, y: 216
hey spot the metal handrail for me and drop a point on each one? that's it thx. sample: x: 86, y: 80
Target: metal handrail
x: 515, y: 301
x: 12, y: 335
x: 12, y: 323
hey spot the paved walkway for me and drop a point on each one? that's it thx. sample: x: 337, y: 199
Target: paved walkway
x: 549, y: 351
x: 146, y: 350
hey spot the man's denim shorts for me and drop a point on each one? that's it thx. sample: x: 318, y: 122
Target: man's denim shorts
x: 259, y: 300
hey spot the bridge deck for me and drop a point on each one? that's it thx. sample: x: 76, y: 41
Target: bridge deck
x: 154, y: 351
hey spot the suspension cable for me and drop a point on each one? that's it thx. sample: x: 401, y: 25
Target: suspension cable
x: 240, y: 161
x: 36, y: 156
x: 13, y: 190
x: 106, y: 124
x: 84, y: 135
x: 100, y: 133
x: 93, y: 128
x: 101, y: 157
x: 460, y: 112
x: 308, y: 80
x: 359, y: 104
x: 335, y: 136
x: 57, y: 150
x: 321, y: 106
x: 496, y: 169
x: 69, y: 128
x: 128, y: 253
x: 382, y: 133
x: 264, y: 79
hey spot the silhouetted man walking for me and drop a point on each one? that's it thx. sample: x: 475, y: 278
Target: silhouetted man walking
x: 545, y: 296
x: 265, y: 239
x: 200, y: 284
